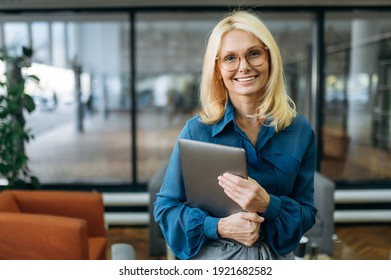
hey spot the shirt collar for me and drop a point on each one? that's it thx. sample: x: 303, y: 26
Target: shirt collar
x: 229, y: 116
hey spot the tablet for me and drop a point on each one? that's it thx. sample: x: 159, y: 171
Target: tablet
x: 202, y: 163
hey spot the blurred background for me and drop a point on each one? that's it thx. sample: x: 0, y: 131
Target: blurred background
x: 120, y: 78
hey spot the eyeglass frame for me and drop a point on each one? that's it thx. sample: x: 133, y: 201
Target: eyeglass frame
x: 265, y: 48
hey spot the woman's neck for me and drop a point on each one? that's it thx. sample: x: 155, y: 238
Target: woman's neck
x: 244, y: 109
x: 244, y: 106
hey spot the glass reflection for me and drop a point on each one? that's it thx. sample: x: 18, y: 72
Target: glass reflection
x: 15, y: 36
x: 357, y: 137
x: 169, y: 52
x: 40, y: 33
x: 72, y: 57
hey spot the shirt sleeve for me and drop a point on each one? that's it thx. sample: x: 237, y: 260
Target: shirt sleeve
x: 289, y: 217
x: 185, y: 228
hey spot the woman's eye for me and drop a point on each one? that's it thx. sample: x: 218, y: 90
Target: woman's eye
x: 253, y: 54
x: 230, y: 58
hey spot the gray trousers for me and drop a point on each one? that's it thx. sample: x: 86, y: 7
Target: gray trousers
x: 229, y: 250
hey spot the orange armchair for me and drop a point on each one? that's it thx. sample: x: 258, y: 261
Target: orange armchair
x: 46, y: 225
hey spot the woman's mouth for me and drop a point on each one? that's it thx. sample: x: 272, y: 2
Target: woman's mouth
x: 245, y: 79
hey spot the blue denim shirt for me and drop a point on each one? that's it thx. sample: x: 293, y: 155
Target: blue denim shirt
x: 283, y: 163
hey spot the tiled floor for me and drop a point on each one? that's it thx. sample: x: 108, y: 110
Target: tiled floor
x: 102, y: 153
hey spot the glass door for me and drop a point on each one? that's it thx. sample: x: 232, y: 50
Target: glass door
x: 169, y: 52
x: 357, y: 112
x: 82, y: 118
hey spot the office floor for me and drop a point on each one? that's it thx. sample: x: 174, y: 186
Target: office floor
x: 365, y: 242
x: 369, y: 242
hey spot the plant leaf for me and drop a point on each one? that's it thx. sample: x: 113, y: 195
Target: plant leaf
x: 35, y: 182
x: 13, y: 134
x: 33, y: 77
x: 27, y: 51
x: 28, y: 103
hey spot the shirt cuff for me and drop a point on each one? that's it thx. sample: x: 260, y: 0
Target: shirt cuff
x: 210, y: 227
x: 273, y: 209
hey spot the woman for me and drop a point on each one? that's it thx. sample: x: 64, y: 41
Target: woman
x: 244, y: 104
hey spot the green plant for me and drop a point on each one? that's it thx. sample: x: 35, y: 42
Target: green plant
x: 13, y: 134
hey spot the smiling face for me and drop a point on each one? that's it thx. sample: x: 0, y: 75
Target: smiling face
x: 246, y: 79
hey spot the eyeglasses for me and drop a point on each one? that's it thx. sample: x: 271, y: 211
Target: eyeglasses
x: 255, y: 57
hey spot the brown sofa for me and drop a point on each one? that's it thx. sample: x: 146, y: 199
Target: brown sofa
x: 47, y: 225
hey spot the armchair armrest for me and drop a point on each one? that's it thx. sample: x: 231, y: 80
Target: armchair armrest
x: 323, y: 229
x: 82, y: 205
x: 42, y: 237
x: 157, y: 242
x: 122, y: 251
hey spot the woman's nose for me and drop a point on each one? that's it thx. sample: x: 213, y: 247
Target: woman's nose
x: 243, y: 64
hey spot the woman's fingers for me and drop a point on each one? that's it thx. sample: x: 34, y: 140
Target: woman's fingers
x: 243, y: 227
x: 252, y: 217
x: 246, y: 192
x: 231, y: 189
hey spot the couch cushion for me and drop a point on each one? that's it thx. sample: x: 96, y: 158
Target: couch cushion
x: 80, y: 205
x: 42, y: 237
x: 97, y: 248
x: 7, y: 202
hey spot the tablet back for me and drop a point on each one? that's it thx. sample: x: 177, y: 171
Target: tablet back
x: 202, y: 163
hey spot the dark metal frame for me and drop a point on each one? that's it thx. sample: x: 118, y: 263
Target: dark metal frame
x: 317, y: 80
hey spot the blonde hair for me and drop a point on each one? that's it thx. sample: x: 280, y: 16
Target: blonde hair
x: 275, y: 105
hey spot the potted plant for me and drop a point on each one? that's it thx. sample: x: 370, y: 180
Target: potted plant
x: 14, y: 102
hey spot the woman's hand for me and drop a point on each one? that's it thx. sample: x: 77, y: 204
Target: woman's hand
x: 243, y: 227
x: 245, y: 192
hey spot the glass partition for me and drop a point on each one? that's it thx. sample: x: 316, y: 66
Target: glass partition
x: 294, y: 35
x: 169, y: 53
x: 40, y: 33
x: 15, y: 34
x: 357, y: 111
x: 82, y: 121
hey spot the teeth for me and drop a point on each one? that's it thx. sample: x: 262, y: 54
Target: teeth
x: 246, y: 79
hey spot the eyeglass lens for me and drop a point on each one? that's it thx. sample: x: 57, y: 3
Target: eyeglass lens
x: 254, y: 57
